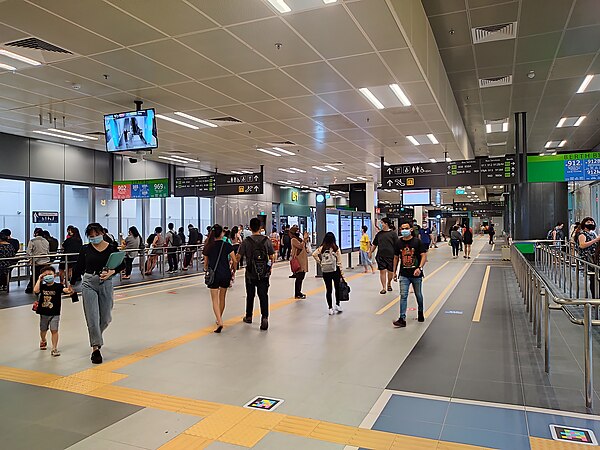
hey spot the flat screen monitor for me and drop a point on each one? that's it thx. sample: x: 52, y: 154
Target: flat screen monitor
x: 333, y: 223
x: 345, y: 238
x: 417, y: 197
x: 135, y: 130
x: 356, y: 230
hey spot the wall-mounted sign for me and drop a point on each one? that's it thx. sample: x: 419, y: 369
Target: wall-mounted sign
x: 44, y: 216
x: 196, y: 186
x: 295, y: 196
x: 126, y: 189
x: 251, y: 183
x: 566, y: 167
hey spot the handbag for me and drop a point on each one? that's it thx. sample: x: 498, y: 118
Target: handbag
x: 344, y: 291
x: 295, y: 265
x: 35, y: 305
x: 209, y: 276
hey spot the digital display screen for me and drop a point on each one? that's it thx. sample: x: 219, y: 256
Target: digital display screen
x: 357, y: 223
x: 345, y: 240
x: 566, y: 167
x: 416, y: 197
x: 135, y: 130
x: 333, y: 223
x: 124, y: 190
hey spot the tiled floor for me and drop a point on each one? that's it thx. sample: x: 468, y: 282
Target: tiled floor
x: 169, y: 382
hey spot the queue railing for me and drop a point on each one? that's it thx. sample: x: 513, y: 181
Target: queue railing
x: 559, y: 280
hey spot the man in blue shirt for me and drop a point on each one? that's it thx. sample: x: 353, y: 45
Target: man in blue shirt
x: 425, y: 235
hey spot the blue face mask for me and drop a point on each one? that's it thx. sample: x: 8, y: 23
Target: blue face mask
x: 96, y: 239
x: 405, y: 233
x: 48, y: 279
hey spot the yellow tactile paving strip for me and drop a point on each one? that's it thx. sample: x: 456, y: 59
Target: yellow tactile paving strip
x: 546, y: 444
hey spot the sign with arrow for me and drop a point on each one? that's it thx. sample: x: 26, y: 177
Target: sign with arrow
x: 44, y: 216
x: 250, y: 183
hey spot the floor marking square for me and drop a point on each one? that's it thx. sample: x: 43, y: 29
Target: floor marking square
x: 573, y: 435
x: 264, y: 403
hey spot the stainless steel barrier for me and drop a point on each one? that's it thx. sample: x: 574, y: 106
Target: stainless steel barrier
x: 556, y: 268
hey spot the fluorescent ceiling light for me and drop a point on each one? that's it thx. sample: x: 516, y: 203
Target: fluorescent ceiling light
x: 400, y: 94
x: 542, y: 154
x: 548, y: 144
x: 24, y: 59
x: 183, y: 158
x: 283, y: 182
x: 369, y: 95
x: 581, y: 119
x: 280, y: 6
x: 329, y: 1
x: 362, y: 178
x: 468, y: 187
x: 386, y: 164
x: 83, y: 136
x: 351, y: 179
x: 286, y: 170
x: 178, y: 122
x: 433, y: 139
x: 488, y: 128
x: 448, y: 159
x: 562, y: 143
x: 297, y: 170
x: 319, y: 168
x: 432, y: 160
x: 377, y: 166
x: 413, y: 140
x: 586, y: 81
x: 561, y: 122
x: 59, y: 136
x: 335, y: 169
x: 553, y: 153
x: 285, y: 152
x: 7, y: 67
x: 268, y: 152
x: 247, y: 171
x: 195, y: 119
x: 173, y: 159
x: 236, y: 172
x: 505, y: 127
x: 496, y: 144
x: 293, y: 182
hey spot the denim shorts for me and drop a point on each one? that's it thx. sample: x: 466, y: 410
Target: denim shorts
x: 49, y: 322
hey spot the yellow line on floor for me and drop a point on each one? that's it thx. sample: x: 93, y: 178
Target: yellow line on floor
x: 493, y: 247
x: 449, y: 288
x: 481, y: 298
x: 397, y: 299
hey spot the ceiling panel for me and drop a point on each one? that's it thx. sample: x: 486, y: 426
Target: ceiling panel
x: 579, y: 41
x: 347, y: 101
x: 441, y: 26
x: 403, y: 65
x: 233, y: 11
x: 201, y: 94
x: 493, y: 54
x: 318, y: 77
x: 276, y: 109
x: 463, y: 80
x: 435, y: 7
x: 237, y: 88
x: 537, y: 48
x: 276, y: 83
x: 310, y: 105
x: 571, y: 67
x: 580, y: 16
x: 493, y: 15
x: 364, y: 70
x: 458, y: 59
x: 375, y: 19
x: 555, y: 13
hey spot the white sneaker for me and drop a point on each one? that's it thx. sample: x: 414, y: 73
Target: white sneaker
x: 338, y: 308
x: 331, y: 312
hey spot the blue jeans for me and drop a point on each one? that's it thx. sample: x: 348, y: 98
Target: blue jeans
x: 405, y: 283
x: 97, y: 306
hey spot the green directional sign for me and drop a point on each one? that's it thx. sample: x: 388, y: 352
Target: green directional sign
x: 583, y: 166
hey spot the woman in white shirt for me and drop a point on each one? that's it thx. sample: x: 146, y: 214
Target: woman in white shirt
x: 329, y: 257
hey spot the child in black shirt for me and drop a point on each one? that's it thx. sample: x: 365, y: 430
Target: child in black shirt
x: 48, y: 306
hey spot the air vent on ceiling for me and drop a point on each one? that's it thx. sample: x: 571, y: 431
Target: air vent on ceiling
x: 95, y: 133
x: 281, y: 144
x: 37, y: 44
x: 227, y: 119
x: 494, y: 32
x: 176, y: 152
x: 495, y: 81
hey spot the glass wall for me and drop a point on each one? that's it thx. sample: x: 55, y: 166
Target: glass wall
x: 45, y: 197
x: 190, y: 212
x: 173, y: 211
x: 206, y: 212
x: 107, y: 210
x: 77, y: 207
x: 131, y: 215
x: 155, y: 215
x: 12, y: 208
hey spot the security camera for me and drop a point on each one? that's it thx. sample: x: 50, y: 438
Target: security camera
x: 133, y: 160
x: 315, y: 183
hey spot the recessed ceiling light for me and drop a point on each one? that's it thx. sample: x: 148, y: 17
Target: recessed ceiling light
x: 433, y: 139
x: 561, y: 122
x: 178, y: 122
x: 7, y: 67
x: 448, y: 159
x: 183, y: 158
x: 413, y: 140
x: 83, y: 136
x: 268, y: 152
x: 548, y: 144
x: 59, y: 136
x: 172, y: 159
x: 293, y: 182
x: 377, y: 166
x: 329, y: 1
x: 297, y: 170
x: 562, y: 143
x: 432, y: 160
x: 285, y: 152
x: 400, y: 94
x: 586, y: 81
x: 581, y: 119
x: 542, y: 154
x: 553, y: 153
x: 351, y: 179
x: 505, y: 127
x: 335, y: 169
x: 247, y: 171
x: 386, y: 164
x: 369, y: 95
x: 319, y: 168
x: 196, y: 119
x: 468, y: 187
x: 24, y: 59
x: 280, y: 6
x: 362, y: 178
x: 286, y: 170
x: 283, y: 182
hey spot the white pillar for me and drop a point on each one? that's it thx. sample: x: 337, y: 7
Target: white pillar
x: 371, y: 201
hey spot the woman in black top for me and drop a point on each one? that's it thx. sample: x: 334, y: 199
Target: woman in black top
x: 97, y: 287
x: 219, y: 256
x: 72, y: 244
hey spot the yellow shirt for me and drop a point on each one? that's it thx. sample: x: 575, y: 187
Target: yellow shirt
x: 365, y: 242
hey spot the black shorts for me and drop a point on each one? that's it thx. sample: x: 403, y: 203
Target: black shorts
x: 385, y: 263
x: 220, y: 283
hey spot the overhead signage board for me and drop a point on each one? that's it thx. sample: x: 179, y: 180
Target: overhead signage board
x: 140, y: 189
x: 566, y: 167
x: 251, y: 183
x: 44, y: 216
x: 481, y: 206
x: 196, y: 186
x: 474, y: 172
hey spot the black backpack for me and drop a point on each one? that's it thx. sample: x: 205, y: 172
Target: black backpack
x: 258, y: 266
x: 175, y: 239
x: 150, y: 239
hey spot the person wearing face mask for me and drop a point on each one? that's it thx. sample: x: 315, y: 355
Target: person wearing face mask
x: 385, y: 242
x: 97, y: 286
x: 425, y: 234
x: 412, y: 256
x: 587, y: 243
x: 299, y: 252
x: 48, y: 306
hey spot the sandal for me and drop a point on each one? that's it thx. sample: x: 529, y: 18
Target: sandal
x: 389, y: 288
x: 43, y: 345
x: 383, y: 291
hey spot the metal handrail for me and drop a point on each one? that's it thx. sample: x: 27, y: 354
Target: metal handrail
x: 553, y: 267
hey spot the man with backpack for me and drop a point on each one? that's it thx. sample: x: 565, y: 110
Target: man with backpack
x: 194, y: 238
x: 173, y: 240
x: 258, y: 252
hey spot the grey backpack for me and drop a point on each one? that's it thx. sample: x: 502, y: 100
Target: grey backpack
x: 328, y: 261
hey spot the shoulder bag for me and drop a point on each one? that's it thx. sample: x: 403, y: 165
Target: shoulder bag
x: 209, y: 276
x: 294, y: 263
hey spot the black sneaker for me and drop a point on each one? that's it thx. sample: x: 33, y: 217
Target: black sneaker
x: 264, y: 324
x: 400, y: 323
x: 421, y: 317
x: 247, y: 319
x: 96, y: 357
x: 301, y: 296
